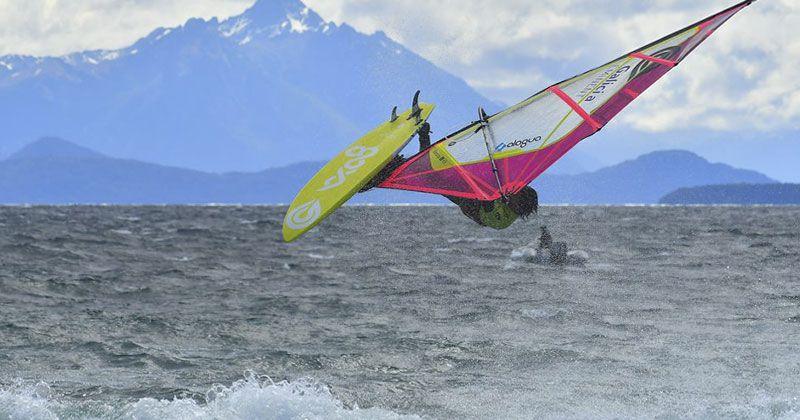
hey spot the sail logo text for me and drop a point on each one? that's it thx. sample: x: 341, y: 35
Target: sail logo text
x: 517, y: 143
x: 358, y: 157
x: 595, y: 90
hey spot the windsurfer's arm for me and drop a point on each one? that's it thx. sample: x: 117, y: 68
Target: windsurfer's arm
x: 424, y: 135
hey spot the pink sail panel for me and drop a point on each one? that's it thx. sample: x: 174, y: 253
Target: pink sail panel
x: 467, y: 181
x: 476, y: 181
x: 542, y: 160
x: 528, y: 138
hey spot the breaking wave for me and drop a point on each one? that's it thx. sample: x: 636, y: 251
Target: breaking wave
x: 250, y: 398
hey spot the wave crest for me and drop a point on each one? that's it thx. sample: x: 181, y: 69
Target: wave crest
x: 249, y: 398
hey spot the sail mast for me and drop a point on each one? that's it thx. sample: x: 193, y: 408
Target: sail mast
x: 490, y: 146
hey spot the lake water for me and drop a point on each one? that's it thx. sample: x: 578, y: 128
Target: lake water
x: 392, y: 312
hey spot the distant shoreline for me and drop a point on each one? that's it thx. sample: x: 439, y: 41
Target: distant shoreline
x: 743, y: 194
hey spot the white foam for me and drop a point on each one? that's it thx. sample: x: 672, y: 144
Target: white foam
x: 524, y: 253
x: 470, y: 240
x: 320, y: 257
x: 26, y: 403
x: 251, y: 398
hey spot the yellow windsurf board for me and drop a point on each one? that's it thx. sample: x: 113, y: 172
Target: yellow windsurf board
x: 348, y: 172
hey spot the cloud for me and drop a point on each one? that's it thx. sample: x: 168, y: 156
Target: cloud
x: 744, y: 77
x: 56, y: 27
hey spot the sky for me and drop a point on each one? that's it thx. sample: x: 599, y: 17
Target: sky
x: 743, y: 80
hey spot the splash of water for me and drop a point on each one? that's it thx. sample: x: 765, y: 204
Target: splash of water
x: 251, y: 398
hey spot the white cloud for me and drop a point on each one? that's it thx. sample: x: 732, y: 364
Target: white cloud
x: 56, y: 27
x: 744, y: 77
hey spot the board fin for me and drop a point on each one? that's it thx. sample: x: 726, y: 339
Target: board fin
x: 416, y: 111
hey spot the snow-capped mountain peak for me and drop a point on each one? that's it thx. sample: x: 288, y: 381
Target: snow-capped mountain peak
x: 272, y: 19
x: 244, y: 93
x: 265, y: 19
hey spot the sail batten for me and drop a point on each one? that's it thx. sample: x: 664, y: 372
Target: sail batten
x: 575, y: 107
x: 657, y: 60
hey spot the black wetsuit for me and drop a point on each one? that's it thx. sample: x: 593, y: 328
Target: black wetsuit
x: 470, y: 208
x: 545, y: 241
x: 424, y: 136
x: 495, y: 214
x: 384, y: 173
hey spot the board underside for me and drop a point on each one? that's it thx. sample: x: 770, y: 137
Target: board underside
x: 349, y: 171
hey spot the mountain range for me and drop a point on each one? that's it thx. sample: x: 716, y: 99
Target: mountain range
x: 738, y: 194
x: 278, y: 84
x: 274, y: 85
x: 643, y: 180
x: 54, y: 171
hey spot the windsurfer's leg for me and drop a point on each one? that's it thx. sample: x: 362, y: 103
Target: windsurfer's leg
x: 470, y: 208
x: 455, y: 200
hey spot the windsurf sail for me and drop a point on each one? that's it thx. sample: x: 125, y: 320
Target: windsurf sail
x: 528, y: 138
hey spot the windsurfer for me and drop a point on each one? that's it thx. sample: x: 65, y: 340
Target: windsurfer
x: 500, y: 214
x: 497, y: 214
x: 496, y: 156
x: 546, y: 240
x: 424, y: 134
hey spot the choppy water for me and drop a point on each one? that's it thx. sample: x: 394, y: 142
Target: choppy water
x: 201, y: 312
